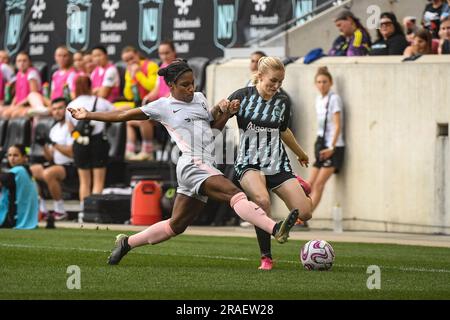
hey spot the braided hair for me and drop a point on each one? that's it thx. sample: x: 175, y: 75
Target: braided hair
x: 173, y: 71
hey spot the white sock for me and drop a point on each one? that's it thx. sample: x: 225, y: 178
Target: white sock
x: 42, y: 206
x: 58, y: 206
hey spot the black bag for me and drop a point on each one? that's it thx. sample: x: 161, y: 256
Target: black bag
x: 107, y: 208
x: 84, y: 127
x: 319, y: 146
x: 320, y: 143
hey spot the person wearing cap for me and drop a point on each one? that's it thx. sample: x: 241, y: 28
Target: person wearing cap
x: 391, y: 39
x: 354, y: 39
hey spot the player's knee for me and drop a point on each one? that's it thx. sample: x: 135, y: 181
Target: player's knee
x: 178, y: 226
x: 263, y: 202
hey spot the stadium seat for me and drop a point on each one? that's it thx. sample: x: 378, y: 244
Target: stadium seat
x: 42, y: 67
x: 198, y: 65
x: 121, y: 68
x: 41, y: 130
x: 116, y: 167
x: 18, y: 131
x: 3, y: 125
x: 117, y: 137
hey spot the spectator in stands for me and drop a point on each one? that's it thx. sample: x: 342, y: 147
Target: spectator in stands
x: 27, y: 81
x: 391, y: 39
x: 90, y: 155
x: 444, y: 34
x: 254, y: 58
x: 105, y: 77
x: 354, y: 39
x: 89, y: 64
x: 61, y: 84
x: 140, y: 78
x: 431, y: 18
x: 79, y: 65
x: 58, y: 151
x: 7, y: 73
x: 167, y: 54
x: 19, y: 198
x: 445, y: 11
x: 329, y: 146
x: 422, y: 44
x: 63, y: 77
x: 409, y: 23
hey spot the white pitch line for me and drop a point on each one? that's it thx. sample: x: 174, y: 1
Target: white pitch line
x: 407, y: 269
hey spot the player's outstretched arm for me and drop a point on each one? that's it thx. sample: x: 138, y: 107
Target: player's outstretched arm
x: 110, y: 116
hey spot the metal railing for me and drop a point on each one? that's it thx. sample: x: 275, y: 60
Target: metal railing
x: 287, y: 25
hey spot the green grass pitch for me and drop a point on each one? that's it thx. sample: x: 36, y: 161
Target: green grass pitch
x: 33, y: 265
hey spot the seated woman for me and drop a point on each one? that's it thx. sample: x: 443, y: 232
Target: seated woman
x: 391, y: 38
x: 422, y: 43
x: 19, y: 198
x: 28, y: 81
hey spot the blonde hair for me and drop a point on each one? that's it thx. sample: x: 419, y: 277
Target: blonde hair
x: 265, y: 64
x: 323, y: 71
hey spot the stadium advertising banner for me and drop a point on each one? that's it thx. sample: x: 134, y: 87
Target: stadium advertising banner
x: 197, y: 27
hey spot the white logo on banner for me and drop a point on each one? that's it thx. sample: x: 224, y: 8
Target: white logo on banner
x: 260, y: 5
x: 38, y: 9
x: 110, y: 7
x: 183, y: 6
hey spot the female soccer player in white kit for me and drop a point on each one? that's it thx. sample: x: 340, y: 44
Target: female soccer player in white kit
x: 186, y: 116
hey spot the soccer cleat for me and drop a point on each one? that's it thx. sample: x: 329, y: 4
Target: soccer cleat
x: 120, y: 250
x: 59, y: 216
x: 266, y: 263
x: 283, y: 227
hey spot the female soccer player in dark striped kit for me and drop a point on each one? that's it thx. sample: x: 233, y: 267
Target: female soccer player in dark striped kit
x: 262, y: 163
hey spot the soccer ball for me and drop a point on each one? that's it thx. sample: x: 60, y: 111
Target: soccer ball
x: 317, y: 255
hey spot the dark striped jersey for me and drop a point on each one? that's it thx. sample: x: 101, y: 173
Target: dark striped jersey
x: 260, y: 122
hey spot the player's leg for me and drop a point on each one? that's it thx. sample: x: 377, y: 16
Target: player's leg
x: 184, y: 212
x: 293, y: 195
x: 53, y: 176
x: 221, y: 189
x: 319, y: 184
x: 254, y: 184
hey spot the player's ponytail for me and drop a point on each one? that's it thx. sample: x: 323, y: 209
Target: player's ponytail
x: 265, y: 64
x: 173, y: 71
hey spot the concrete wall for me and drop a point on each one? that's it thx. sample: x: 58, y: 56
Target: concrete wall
x: 321, y: 31
x: 396, y: 175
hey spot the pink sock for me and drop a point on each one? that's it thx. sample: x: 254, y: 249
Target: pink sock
x: 250, y: 212
x: 154, y: 234
x: 130, y: 147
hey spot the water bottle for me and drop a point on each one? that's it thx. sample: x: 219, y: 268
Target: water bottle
x: 66, y: 93
x: 80, y: 217
x: 337, y: 219
x: 46, y: 90
x: 8, y: 95
x: 136, y: 96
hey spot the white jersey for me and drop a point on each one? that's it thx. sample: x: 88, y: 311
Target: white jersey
x: 188, y: 123
x: 60, y: 134
x: 334, y: 106
x: 87, y: 102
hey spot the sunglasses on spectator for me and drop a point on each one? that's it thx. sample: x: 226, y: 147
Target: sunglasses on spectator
x: 386, y: 24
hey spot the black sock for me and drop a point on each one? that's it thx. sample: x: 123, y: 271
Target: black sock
x: 264, y: 242
x: 127, y: 246
x: 275, y: 228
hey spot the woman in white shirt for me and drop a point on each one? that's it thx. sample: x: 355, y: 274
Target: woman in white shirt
x: 329, y: 147
x: 90, y: 152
